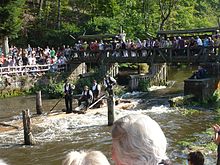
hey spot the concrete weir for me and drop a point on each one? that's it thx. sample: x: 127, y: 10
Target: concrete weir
x: 203, y: 89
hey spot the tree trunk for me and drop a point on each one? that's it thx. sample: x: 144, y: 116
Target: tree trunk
x: 219, y: 22
x: 162, y: 24
x: 5, y: 46
x: 40, y: 7
x: 58, y: 17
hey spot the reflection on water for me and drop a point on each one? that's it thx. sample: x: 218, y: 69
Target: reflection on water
x: 56, y: 136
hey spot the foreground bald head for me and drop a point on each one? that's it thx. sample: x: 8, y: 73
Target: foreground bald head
x: 85, y: 158
x: 138, y: 140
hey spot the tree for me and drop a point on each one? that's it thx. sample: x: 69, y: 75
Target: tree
x: 166, y: 6
x: 10, y: 20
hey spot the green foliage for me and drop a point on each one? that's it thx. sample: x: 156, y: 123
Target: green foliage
x: 81, y: 83
x: 128, y: 66
x: 189, y: 112
x: 10, y: 17
x: 144, y: 68
x: 12, y: 93
x: 52, y: 90
x: 216, y: 95
x: 102, y: 25
x: 137, y: 18
x: 119, y: 90
x: 144, y: 85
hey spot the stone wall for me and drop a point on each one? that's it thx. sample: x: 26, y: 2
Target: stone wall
x: 77, y: 69
x: 25, y: 82
x: 202, y: 89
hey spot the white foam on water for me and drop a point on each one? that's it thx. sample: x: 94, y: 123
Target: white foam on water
x: 131, y: 94
x: 160, y: 109
x: 153, y: 88
x: 68, y: 126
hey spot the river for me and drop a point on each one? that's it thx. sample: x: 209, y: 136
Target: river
x: 57, y: 136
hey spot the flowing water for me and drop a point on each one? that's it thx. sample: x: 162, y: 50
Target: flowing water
x: 57, y: 136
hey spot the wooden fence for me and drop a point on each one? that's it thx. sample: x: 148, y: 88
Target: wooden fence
x: 31, y: 69
x: 157, y: 76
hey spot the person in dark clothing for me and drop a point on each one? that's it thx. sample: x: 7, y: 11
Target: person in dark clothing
x: 199, y: 74
x: 109, y: 82
x: 87, y: 97
x: 96, y: 90
x: 68, y: 91
x: 25, y: 60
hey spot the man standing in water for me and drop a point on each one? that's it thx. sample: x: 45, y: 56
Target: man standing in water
x: 109, y: 82
x: 68, y: 91
x: 96, y: 90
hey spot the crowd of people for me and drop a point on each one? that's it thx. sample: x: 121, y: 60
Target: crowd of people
x: 34, y: 56
x: 162, y: 42
x: 47, y: 55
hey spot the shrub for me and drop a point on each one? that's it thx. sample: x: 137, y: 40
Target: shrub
x: 144, y: 85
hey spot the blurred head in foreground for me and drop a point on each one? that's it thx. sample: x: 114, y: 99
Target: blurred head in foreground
x: 85, y: 158
x: 2, y: 162
x: 138, y: 140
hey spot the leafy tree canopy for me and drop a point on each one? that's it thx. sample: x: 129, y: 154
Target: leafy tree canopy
x: 77, y: 17
x: 11, y: 17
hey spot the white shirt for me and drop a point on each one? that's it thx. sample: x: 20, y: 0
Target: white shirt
x: 96, y: 85
x: 106, y: 81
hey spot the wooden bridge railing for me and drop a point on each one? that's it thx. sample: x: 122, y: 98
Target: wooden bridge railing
x: 150, y: 55
x: 30, y: 69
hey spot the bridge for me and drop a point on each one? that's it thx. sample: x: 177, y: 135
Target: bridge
x: 149, y: 55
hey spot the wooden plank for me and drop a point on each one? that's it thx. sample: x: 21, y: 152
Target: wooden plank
x: 9, y: 125
x: 96, y: 101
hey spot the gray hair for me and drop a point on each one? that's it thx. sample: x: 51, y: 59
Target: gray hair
x: 2, y: 162
x: 85, y: 158
x: 138, y: 140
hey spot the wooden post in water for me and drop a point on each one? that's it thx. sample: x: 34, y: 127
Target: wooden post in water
x: 111, y: 107
x: 39, y: 103
x: 28, y: 138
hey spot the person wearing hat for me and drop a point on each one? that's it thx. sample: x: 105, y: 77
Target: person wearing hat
x: 68, y: 91
x: 109, y: 82
x: 86, y: 97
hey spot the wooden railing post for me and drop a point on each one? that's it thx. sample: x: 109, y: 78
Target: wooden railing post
x: 111, y: 107
x: 39, y: 103
x: 28, y: 137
